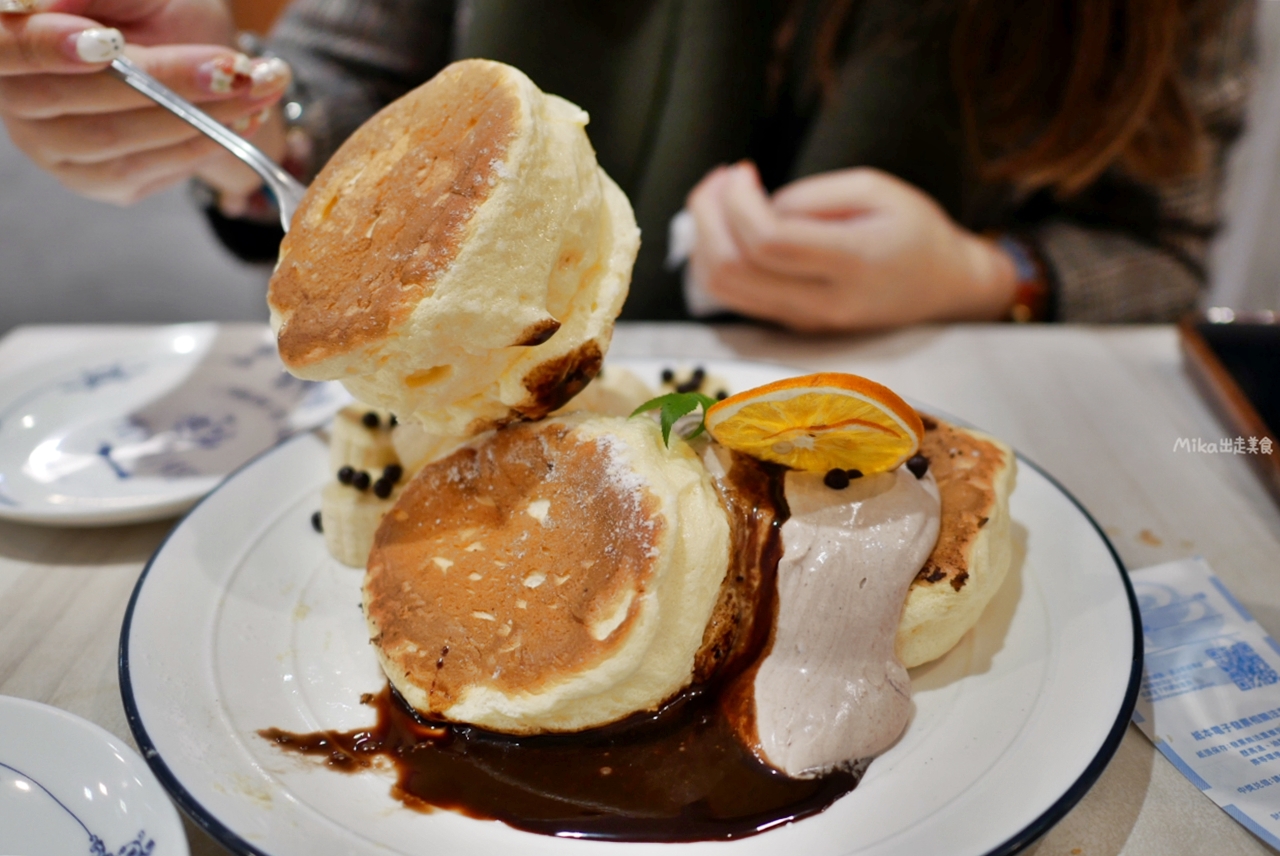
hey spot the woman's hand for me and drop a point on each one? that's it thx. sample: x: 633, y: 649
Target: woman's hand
x: 847, y: 250
x: 98, y: 136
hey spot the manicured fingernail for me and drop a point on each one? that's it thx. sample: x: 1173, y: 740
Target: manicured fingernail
x: 97, y: 44
x: 17, y: 7
x: 245, y: 124
x: 225, y: 74
x: 269, y: 74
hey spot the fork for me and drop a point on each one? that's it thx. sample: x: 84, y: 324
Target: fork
x: 285, y: 188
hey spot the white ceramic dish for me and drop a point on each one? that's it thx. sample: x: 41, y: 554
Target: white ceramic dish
x: 242, y: 621
x: 68, y: 786
x: 141, y: 427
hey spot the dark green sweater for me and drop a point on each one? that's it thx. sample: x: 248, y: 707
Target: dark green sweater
x: 676, y: 87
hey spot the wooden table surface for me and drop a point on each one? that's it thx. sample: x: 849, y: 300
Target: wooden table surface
x: 1099, y: 408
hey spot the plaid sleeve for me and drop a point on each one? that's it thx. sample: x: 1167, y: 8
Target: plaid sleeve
x: 352, y: 57
x: 1104, y: 275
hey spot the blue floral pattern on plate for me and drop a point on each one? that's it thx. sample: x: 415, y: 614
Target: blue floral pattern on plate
x: 141, y: 845
x: 69, y: 786
x: 145, y: 433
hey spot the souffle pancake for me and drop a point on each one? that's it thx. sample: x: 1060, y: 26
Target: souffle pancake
x: 461, y: 258
x: 976, y: 473
x: 557, y: 575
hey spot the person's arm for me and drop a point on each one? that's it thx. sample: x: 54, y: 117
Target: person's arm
x: 1103, y: 274
x: 351, y: 59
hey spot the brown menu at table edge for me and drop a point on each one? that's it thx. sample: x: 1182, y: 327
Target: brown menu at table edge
x: 1227, y: 400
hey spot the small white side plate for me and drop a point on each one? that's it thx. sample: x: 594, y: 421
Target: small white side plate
x: 141, y: 426
x: 68, y: 786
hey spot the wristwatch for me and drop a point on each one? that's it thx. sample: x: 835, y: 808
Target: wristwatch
x: 1032, y: 294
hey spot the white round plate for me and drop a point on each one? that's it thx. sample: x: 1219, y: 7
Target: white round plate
x: 140, y: 428
x: 242, y: 622
x: 68, y: 786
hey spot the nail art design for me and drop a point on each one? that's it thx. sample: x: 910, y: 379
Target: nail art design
x: 246, y: 124
x: 17, y: 7
x: 268, y: 75
x: 227, y: 73
x: 99, y: 44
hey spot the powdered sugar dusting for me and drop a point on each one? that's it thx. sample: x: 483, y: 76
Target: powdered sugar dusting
x: 618, y: 466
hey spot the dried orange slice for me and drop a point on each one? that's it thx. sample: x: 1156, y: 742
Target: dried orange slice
x: 819, y: 422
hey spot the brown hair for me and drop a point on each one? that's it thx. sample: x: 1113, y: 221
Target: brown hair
x: 1055, y: 92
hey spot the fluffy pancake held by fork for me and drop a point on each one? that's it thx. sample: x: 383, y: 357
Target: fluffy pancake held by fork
x: 461, y: 259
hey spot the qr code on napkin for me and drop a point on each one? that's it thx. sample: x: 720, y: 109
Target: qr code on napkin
x: 1243, y: 665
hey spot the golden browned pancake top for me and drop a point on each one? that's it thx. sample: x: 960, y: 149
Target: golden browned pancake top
x: 349, y: 275
x: 468, y: 586
x: 965, y: 468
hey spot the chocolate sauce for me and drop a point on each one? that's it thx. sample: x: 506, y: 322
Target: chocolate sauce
x: 737, y: 633
x: 680, y: 774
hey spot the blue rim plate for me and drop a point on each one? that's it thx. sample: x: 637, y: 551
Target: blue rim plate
x: 69, y: 786
x: 139, y: 425
x: 241, y: 622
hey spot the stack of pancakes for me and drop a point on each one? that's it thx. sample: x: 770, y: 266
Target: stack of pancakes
x: 460, y: 262
x: 564, y: 574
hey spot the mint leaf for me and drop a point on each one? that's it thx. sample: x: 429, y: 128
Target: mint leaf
x: 672, y: 406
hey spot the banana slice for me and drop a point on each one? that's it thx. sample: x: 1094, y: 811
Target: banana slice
x: 367, y: 479
x: 361, y: 439
x: 350, y: 517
